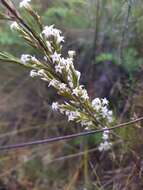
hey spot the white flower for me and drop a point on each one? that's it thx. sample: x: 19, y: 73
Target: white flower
x: 63, y: 61
x: 104, y: 111
x: 59, y: 39
x: 96, y: 103
x: 55, y: 106
x: 25, y: 58
x: 67, y: 63
x: 63, y: 87
x: 48, y: 31
x: 104, y: 146
x: 56, y: 57
x: 24, y: 3
x: 87, y: 124
x: 53, y: 83
x: 59, y: 68
x: 105, y: 101
x: 107, y: 114
x: 110, y: 116
x: 110, y: 113
x: 56, y: 32
x: 105, y: 134
x: 76, y: 91
x: 72, y: 115
x: 51, y: 31
x: 84, y: 94
x: 33, y: 73
x: 45, y: 58
x: 33, y: 59
x: 71, y: 53
x: 14, y: 26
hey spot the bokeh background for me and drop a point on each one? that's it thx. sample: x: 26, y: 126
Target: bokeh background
x: 107, y: 36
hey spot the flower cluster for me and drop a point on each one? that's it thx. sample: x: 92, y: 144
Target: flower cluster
x: 51, y: 33
x: 61, y: 74
x: 26, y: 59
x: 101, y: 108
x: 105, y: 145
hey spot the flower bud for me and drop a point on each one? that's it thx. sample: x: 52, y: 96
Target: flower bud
x: 14, y: 26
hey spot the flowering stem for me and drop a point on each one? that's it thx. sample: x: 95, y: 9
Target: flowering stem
x: 68, y: 137
x: 16, y: 15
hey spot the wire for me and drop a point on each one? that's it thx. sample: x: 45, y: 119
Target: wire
x: 67, y: 137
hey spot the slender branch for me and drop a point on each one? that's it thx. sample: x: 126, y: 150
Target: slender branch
x: 17, y: 16
x: 124, y: 31
x: 67, y: 137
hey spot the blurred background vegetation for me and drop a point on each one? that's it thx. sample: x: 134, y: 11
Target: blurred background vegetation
x: 108, y: 38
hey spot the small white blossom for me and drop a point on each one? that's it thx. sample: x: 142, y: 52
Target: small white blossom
x: 56, y: 57
x: 53, y: 83
x: 105, y: 101
x: 104, y: 146
x: 45, y: 58
x: 104, y: 111
x: 33, y: 73
x: 25, y: 58
x: 110, y: 113
x: 86, y: 124
x: 105, y: 135
x: 96, y: 103
x: 24, y: 3
x: 14, y: 26
x: 71, y: 53
x: 59, y: 39
x: 50, y: 31
x: 76, y: 91
x: 56, y: 32
x: 69, y: 61
x: 59, y: 68
x: 72, y: 115
x: 35, y: 60
x: 110, y: 118
x: 55, y: 106
x: 63, y: 61
x: 84, y: 94
x: 66, y: 62
x: 63, y: 87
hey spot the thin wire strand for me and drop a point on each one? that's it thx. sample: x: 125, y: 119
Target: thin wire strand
x: 67, y: 137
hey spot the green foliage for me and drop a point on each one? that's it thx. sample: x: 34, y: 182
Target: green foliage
x: 92, y: 140
x: 105, y: 57
x: 68, y: 14
x: 7, y: 38
x: 131, y: 60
